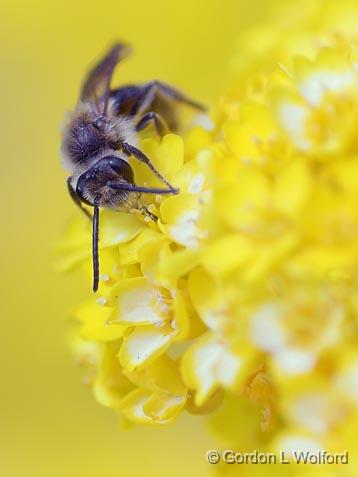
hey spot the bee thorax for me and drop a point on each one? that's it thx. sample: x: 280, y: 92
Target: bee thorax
x: 87, y: 135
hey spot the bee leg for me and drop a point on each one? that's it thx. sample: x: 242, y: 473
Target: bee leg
x: 140, y: 156
x: 147, y: 214
x: 151, y: 89
x: 158, y: 121
x: 76, y: 199
x: 176, y: 95
x: 143, y: 190
x: 95, y: 258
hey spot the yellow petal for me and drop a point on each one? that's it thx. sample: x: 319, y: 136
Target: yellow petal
x: 180, y: 219
x: 177, y: 265
x: 227, y: 253
x: 245, y: 137
x: 110, y: 384
x: 293, y: 187
x: 152, y: 253
x: 118, y: 227
x: 132, y: 407
x: 181, y: 321
x: 144, y: 344
x: 75, y: 246
x: 160, y: 376
x: 241, y: 206
x: 138, y: 302
x: 94, y: 318
x: 164, y: 407
x: 345, y: 172
x: 128, y: 252
x: 196, y: 140
x: 195, y: 176
x: 144, y: 408
x: 208, y: 298
x: 269, y: 255
x: 166, y: 156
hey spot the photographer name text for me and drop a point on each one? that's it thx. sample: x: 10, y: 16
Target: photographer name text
x: 229, y: 456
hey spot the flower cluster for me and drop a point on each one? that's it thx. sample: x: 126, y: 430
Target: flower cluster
x: 244, y: 290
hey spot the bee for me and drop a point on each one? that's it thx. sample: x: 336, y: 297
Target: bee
x: 100, y: 139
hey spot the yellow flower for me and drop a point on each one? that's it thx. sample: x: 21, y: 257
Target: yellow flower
x: 160, y: 394
x: 209, y: 364
x: 318, y: 108
x: 242, y: 296
x: 288, y: 332
x: 151, y: 318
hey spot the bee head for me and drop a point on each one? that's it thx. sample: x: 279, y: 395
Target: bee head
x: 94, y: 185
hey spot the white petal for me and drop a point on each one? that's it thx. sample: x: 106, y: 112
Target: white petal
x: 293, y: 118
x: 144, y: 344
x: 206, y: 358
x: 228, y: 367
x: 310, y: 412
x: 295, y: 361
x: 314, y: 87
x: 141, y: 305
x: 196, y: 183
x: 266, y: 329
x: 347, y: 382
x: 296, y: 444
x: 185, y: 231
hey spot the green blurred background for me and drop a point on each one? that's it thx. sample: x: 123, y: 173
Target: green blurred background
x: 50, y: 423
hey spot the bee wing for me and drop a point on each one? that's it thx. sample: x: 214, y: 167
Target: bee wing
x: 98, y: 80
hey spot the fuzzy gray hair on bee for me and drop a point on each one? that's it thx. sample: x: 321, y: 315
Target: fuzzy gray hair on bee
x: 101, y: 137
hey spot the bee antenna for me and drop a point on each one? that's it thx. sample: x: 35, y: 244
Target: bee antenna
x: 95, y: 258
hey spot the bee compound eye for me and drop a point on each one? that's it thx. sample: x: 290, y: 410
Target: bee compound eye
x: 122, y: 168
x: 84, y: 186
